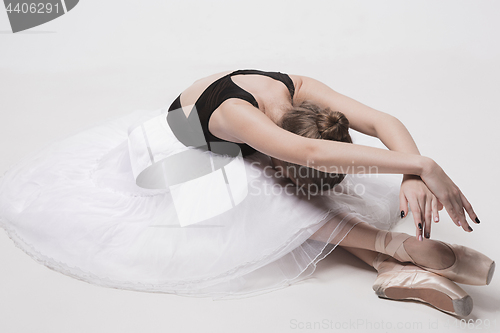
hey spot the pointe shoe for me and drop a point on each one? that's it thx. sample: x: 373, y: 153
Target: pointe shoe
x: 399, y: 281
x: 470, y: 266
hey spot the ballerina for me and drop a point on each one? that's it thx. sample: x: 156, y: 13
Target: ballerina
x: 425, y: 188
x: 78, y: 207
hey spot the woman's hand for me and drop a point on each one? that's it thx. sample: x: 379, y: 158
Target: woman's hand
x: 423, y: 203
x: 448, y: 193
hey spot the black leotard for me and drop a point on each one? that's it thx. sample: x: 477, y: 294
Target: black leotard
x: 219, y: 91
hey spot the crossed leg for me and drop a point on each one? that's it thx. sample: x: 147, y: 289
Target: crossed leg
x: 366, y: 255
x: 395, y: 280
x: 358, y: 237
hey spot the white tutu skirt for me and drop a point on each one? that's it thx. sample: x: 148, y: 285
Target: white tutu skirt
x: 75, y: 207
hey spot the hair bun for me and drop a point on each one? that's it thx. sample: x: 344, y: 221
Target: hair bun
x: 332, y: 125
x: 311, y: 121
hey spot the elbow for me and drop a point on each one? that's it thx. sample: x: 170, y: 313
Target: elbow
x: 385, y: 122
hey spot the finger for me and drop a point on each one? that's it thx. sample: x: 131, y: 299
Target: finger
x: 440, y: 205
x: 435, y: 210
x: 459, y: 208
x: 451, y: 212
x: 417, y: 217
x: 428, y: 218
x: 450, y: 206
x: 403, y: 205
x: 468, y: 208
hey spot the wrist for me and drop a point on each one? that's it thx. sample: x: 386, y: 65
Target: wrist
x: 426, y: 166
x: 410, y: 176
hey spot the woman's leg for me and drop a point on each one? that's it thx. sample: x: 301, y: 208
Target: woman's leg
x: 366, y: 255
x: 361, y: 235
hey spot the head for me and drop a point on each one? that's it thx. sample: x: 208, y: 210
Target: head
x: 311, y: 121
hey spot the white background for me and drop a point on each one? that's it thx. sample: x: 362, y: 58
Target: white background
x: 433, y: 64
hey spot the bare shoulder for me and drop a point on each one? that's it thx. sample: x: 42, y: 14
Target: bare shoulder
x: 361, y: 117
x: 314, y: 91
x: 297, y: 80
x: 301, y: 83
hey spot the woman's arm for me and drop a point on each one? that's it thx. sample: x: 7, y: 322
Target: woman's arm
x: 244, y: 122
x: 395, y: 137
x: 247, y: 124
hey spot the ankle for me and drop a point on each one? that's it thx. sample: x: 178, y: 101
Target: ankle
x: 396, y: 249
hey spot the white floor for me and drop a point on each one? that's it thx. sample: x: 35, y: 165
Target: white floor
x: 434, y: 65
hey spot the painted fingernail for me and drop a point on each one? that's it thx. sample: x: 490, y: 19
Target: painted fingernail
x: 477, y: 220
x: 403, y: 214
x: 420, y: 226
x: 470, y: 229
x: 427, y: 235
x: 436, y: 218
x: 460, y: 224
x: 420, y: 237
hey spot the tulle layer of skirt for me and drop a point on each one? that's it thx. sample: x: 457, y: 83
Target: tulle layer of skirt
x: 76, y: 208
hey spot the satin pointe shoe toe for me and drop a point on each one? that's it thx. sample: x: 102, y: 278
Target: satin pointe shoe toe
x: 399, y: 281
x: 470, y: 266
